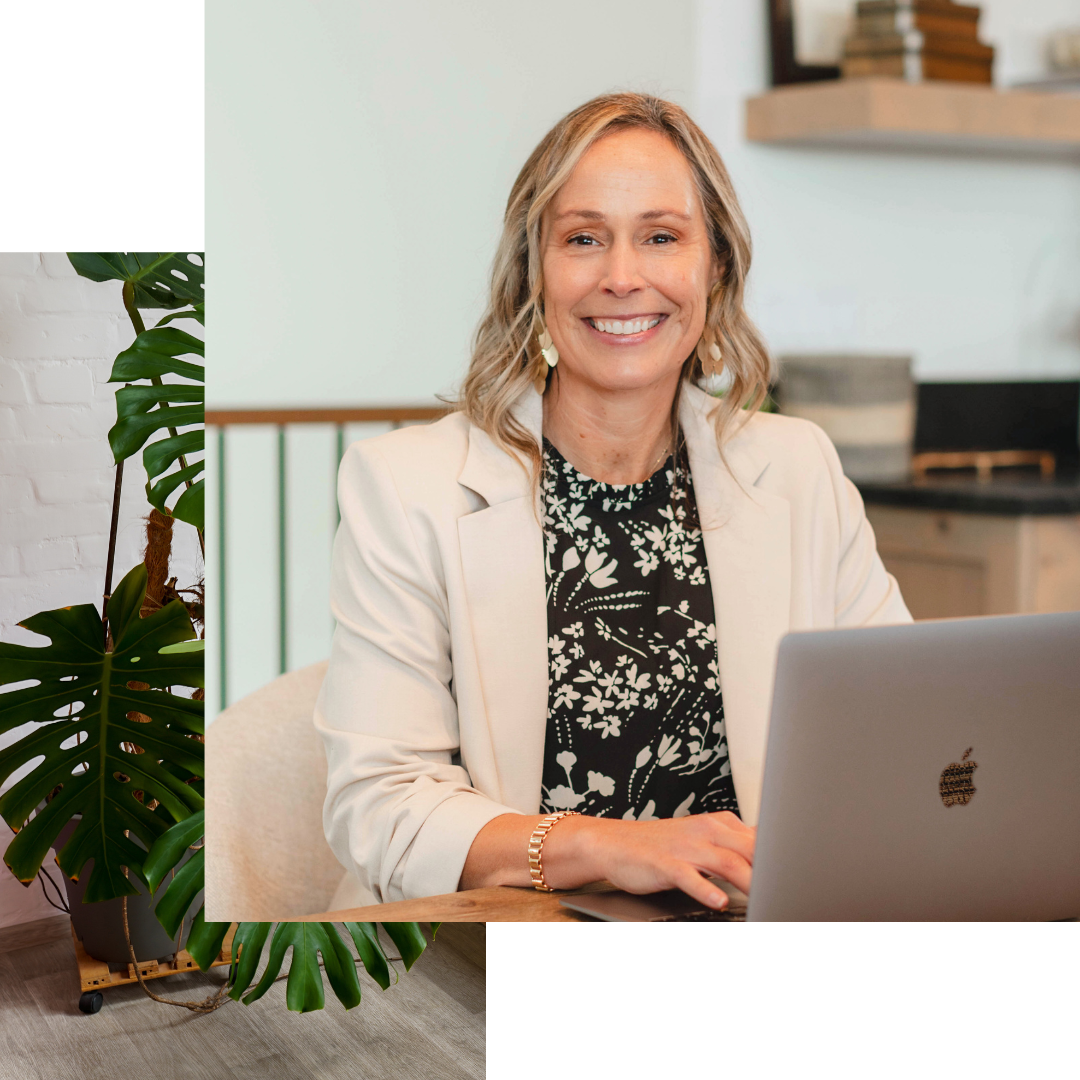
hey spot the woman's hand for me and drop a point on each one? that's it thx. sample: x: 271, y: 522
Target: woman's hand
x: 648, y: 856
x: 638, y: 856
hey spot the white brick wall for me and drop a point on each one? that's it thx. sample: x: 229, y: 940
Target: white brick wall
x: 59, y: 334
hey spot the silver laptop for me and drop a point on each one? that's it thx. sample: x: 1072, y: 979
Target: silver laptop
x: 928, y: 771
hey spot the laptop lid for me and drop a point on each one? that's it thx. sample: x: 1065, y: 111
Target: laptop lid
x: 926, y: 771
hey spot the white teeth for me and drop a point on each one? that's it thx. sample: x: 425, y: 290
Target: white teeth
x: 623, y: 328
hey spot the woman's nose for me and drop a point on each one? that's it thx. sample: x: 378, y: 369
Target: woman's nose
x: 622, y: 271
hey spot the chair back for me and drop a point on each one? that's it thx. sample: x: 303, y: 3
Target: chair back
x: 266, y: 856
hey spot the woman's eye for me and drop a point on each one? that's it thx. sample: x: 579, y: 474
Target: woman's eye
x: 662, y: 238
x: 582, y: 240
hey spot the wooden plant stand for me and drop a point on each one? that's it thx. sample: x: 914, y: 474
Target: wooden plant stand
x: 95, y: 976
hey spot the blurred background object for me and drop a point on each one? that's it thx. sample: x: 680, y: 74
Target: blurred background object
x: 865, y: 404
x: 917, y: 40
x: 1063, y: 57
x: 805, y: 37
x: 137, y: 161
x: 997, y: 531
x: 1064, y: 50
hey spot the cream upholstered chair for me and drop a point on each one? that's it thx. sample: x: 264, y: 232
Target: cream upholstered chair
x: 266, y: 856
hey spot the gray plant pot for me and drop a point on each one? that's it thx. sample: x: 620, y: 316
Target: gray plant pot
x: 100, y: 926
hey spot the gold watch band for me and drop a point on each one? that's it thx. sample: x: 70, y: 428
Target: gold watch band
x: 536, y: 847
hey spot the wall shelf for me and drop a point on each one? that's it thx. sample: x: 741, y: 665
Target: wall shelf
x: 893, y: 114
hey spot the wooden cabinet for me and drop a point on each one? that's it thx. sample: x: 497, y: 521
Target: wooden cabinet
x: 950, y: 563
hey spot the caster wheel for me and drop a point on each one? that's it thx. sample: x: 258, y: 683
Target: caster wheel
x: 90, y: 1002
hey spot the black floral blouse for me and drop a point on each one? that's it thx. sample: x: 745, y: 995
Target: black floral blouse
x: 635, y: 725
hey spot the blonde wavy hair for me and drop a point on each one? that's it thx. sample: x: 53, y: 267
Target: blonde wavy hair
x: 506, y: 352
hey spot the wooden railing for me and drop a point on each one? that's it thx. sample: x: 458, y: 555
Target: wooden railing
x: 395, y: 414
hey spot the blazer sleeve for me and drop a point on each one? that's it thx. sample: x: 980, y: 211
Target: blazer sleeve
x: 866, y: 593
x: 400, y: 813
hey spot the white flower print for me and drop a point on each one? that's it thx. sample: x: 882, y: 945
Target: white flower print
x: 648, y: 814
x: 576, y: 520
x: 564, y: 798
x: 565, y: 696
x: 601, y: 783
x: 610, y: 682
x: 633, y: 698
x: 599, y: 574
x: 606, y: 725
x: 668, y: 752
x: 595, y: 701
x: 657, y: 536
x: 647, y: 563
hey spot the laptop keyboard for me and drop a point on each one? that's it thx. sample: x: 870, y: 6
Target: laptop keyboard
x: 705, y: 916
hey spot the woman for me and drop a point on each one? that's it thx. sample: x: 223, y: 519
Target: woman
x: 558, y: 608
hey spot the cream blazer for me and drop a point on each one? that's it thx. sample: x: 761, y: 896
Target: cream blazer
x: 433, y: 711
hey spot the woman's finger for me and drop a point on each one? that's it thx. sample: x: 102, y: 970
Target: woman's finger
x: 719, y: 833
x: 685, y: 877
x: 727, y: 864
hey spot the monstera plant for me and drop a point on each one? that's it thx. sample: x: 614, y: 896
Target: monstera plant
x: 115, y: 696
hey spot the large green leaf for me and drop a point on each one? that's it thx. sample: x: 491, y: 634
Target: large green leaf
x: 304, y: 990
x: 197, y: 312
x: 80, y: 690
x: 407, y: 937
x: 369, y: 948
x: 169, y: 848
x: 205, y: 939
x: 145, y: 411
x: 161, y: 279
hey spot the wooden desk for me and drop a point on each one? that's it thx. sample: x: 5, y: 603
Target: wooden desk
x: 498, y: 904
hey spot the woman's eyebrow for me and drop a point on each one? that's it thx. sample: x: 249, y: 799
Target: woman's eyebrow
x: 648, y: 215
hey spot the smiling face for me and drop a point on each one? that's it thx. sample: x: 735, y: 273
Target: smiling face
x: 627, y: 267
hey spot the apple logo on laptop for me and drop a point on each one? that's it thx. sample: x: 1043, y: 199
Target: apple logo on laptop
x: 956, y: 786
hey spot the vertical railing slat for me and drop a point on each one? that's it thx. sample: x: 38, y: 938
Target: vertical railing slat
x: 223, y: 667
x: 283, y: 608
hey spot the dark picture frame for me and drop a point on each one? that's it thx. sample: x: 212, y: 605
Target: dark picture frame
x: 786, y: 69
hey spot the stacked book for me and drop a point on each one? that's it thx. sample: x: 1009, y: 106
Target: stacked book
x: 917, y: 40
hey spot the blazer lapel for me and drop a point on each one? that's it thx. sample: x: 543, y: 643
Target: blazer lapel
x: 502, y: 560
x: 746, y: 533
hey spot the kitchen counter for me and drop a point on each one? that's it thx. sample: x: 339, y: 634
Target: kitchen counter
x: 1008, y: 493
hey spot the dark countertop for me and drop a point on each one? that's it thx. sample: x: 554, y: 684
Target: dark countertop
x: 1009, y: 493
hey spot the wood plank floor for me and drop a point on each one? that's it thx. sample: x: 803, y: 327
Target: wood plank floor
x: 431, y: 1024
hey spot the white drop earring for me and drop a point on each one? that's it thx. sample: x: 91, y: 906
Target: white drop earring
x: 549, y: 357
x: 548, y: 350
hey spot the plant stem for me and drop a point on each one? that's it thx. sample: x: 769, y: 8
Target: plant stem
x: 140, y: 326
x: 112, y: 551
